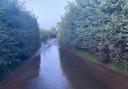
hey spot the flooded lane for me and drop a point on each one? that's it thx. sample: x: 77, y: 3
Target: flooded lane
x: 53, y: 70
x: 51, y: 74
x: 58, y: 72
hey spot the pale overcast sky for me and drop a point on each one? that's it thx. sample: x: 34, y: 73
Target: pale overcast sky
x: 49, y: 12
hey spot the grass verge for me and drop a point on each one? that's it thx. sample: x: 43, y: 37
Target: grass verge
x: 94, y: 58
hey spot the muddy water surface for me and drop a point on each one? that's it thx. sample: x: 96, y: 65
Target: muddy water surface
x: 52, y: 71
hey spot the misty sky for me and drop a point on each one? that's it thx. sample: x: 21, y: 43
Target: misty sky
x: 49, y: 12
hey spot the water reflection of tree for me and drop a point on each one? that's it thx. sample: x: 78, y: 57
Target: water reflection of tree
x: 79, y: 75
x: 47, y: 45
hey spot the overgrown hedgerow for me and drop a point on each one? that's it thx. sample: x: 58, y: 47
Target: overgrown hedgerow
x: 100, y: 26
x: 19, y: 35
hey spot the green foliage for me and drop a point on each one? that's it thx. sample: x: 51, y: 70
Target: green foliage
x: 100, y: 26
x: 88, y: 55
x: 18, y: 34
x: 46, y: 34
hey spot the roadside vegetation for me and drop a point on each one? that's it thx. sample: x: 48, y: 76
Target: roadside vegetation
x: 19, y: 35
x: 99, y: 26
x: 47, y: 34
x: 94, y: 58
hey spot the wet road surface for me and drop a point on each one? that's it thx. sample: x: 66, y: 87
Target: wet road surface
x: 51, y: 74
x: 55, y: 73
x: 53, y: 70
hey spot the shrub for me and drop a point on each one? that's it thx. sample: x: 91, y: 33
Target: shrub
x: 18, y: 34
x: 46, y: 34
x: 97, y: 25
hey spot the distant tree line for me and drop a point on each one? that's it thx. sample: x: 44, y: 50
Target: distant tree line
x: 100, y: 26
x: 47, y: 34
x: 19, y: 35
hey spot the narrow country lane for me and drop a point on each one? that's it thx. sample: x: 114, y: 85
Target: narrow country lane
x: 51, y: 71
x: 54, y: 74
x: 51, y: 74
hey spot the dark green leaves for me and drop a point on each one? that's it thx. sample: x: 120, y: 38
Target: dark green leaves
x: 18, y: 34
x: 97, y: 25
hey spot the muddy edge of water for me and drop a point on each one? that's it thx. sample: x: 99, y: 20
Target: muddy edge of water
x: 112, y: 78
x: 86, y: 75
x: 18, y: 78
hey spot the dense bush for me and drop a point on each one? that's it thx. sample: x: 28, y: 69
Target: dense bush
x: 46, y: 34
x: 100, y: 26
x: 18, y: 34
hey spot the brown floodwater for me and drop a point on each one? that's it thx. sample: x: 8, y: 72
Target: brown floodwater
x: 52, y: 70
x: 51, y: 75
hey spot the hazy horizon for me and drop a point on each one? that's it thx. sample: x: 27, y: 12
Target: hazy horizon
x: 48, y: 12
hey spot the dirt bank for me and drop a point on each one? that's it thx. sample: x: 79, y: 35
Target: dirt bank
x: 18, y: 78
x: 112, y: 78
